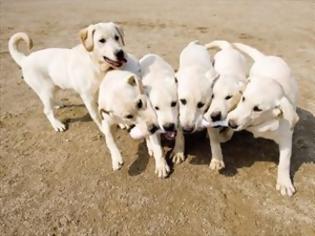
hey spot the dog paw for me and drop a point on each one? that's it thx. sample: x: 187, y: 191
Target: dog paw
x: 122, y: 126
x: 162, y: 169
x: 178, y: 157
x: 58, y: 126
x: 285, y: 186
x: 216, y: 164
x: 117, y: 165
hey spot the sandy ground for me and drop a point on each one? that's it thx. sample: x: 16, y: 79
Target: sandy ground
x: 62, y: 183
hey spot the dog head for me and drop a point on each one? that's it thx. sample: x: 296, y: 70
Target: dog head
x: 121, y: 97
x: 163, y: 96
x: 227, y: 92
x: 105, y: 42
x: 263, y: 101
x: 194, y: 93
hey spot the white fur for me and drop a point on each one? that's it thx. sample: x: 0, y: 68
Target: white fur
x: 159, y: 83
x: 272, y: 89
x: 119, y: 96
x: 227, y: 91
x: 195, y: 76
x: 80, y: 68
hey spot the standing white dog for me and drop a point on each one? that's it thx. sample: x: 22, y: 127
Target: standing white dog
x: 80, y: 68
x: 268, y: 108
x: 227, y: 91
x: 122, y: 101
x: 159, y: 83
x: 195, y: 76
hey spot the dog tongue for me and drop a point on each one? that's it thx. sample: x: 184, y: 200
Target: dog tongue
x: 170, y: 135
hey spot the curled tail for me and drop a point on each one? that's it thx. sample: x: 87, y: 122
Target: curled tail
x: 252, y: 52
x: 218, y: 44
x: 14, y: 41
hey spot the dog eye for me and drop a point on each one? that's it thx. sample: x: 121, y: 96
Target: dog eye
x: 176, y: 81
x: 200, y: 104
x: 173, y: 104
x: 212, y: 96
x: 139, y: 104
x: 243, y: 99
x: 129, y: 116
x: 102, y: 40
x: 156, y: 108
x: 256, y: 108
x: 116, y: 37
x: 183, y: 101
x: 228, y: 97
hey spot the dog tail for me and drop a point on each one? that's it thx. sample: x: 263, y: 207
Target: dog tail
x: 218, y: 44
x: 14, y: 41
x: 252, y: 52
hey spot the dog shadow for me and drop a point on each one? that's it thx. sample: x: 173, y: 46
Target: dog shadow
x: 243, y: 150
x: 139, y: 165
x: 68, y: 121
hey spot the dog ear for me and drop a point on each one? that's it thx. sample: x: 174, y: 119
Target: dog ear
x: 121, y: 33
x: 268, y: 126
x: 288, y: 111
x: 86, y: 37
x: 103, y: 112
x: 133, y: 81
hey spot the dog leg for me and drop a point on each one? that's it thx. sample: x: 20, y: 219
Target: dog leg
x: 284, y: 183
x: 149, y: 147
x: 91, y: 105
x: 46, y: 96
x: 117, y: 160
x: 217, y: 162
x: 161, y: 167
x: 178, y: 151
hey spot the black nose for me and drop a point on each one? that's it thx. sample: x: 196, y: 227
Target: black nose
x: 233, y: 124
x: 120, y: 55
x: 152, y: 128
x: 188, y: 129
x: 216, y: 116
x: 169, y: 127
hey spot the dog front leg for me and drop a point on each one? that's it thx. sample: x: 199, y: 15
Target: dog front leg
x: 179, y: 148
x: 284, y: 183
x: 217, y: 162
x: 91, y: 105
x: 161, y: 167
x: 149, y: 147
x: 115, y: 154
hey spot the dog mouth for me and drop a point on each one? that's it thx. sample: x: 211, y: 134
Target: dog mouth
x: 113, y: 63
x: 170, y: 135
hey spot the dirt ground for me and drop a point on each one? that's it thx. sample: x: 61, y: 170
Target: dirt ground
x: 62, y: 183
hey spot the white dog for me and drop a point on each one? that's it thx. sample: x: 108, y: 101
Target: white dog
x: 227, y: 91
x: 268, y: 108
x: 195, y: 76
x: 158, y: 79
x: 80, y: 68
x: 122, y: 101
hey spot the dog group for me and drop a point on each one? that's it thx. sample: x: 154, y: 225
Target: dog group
x: 150, y: 100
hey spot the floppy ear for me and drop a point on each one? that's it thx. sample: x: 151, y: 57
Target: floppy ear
x: 103, y: 112
x: 288, y: 111
x: 133, y: 81
x: 271, y: 125
x: 121, y: 34
x: 86, y: 37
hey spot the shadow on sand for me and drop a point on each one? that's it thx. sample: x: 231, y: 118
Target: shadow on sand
x: 243, y: 150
